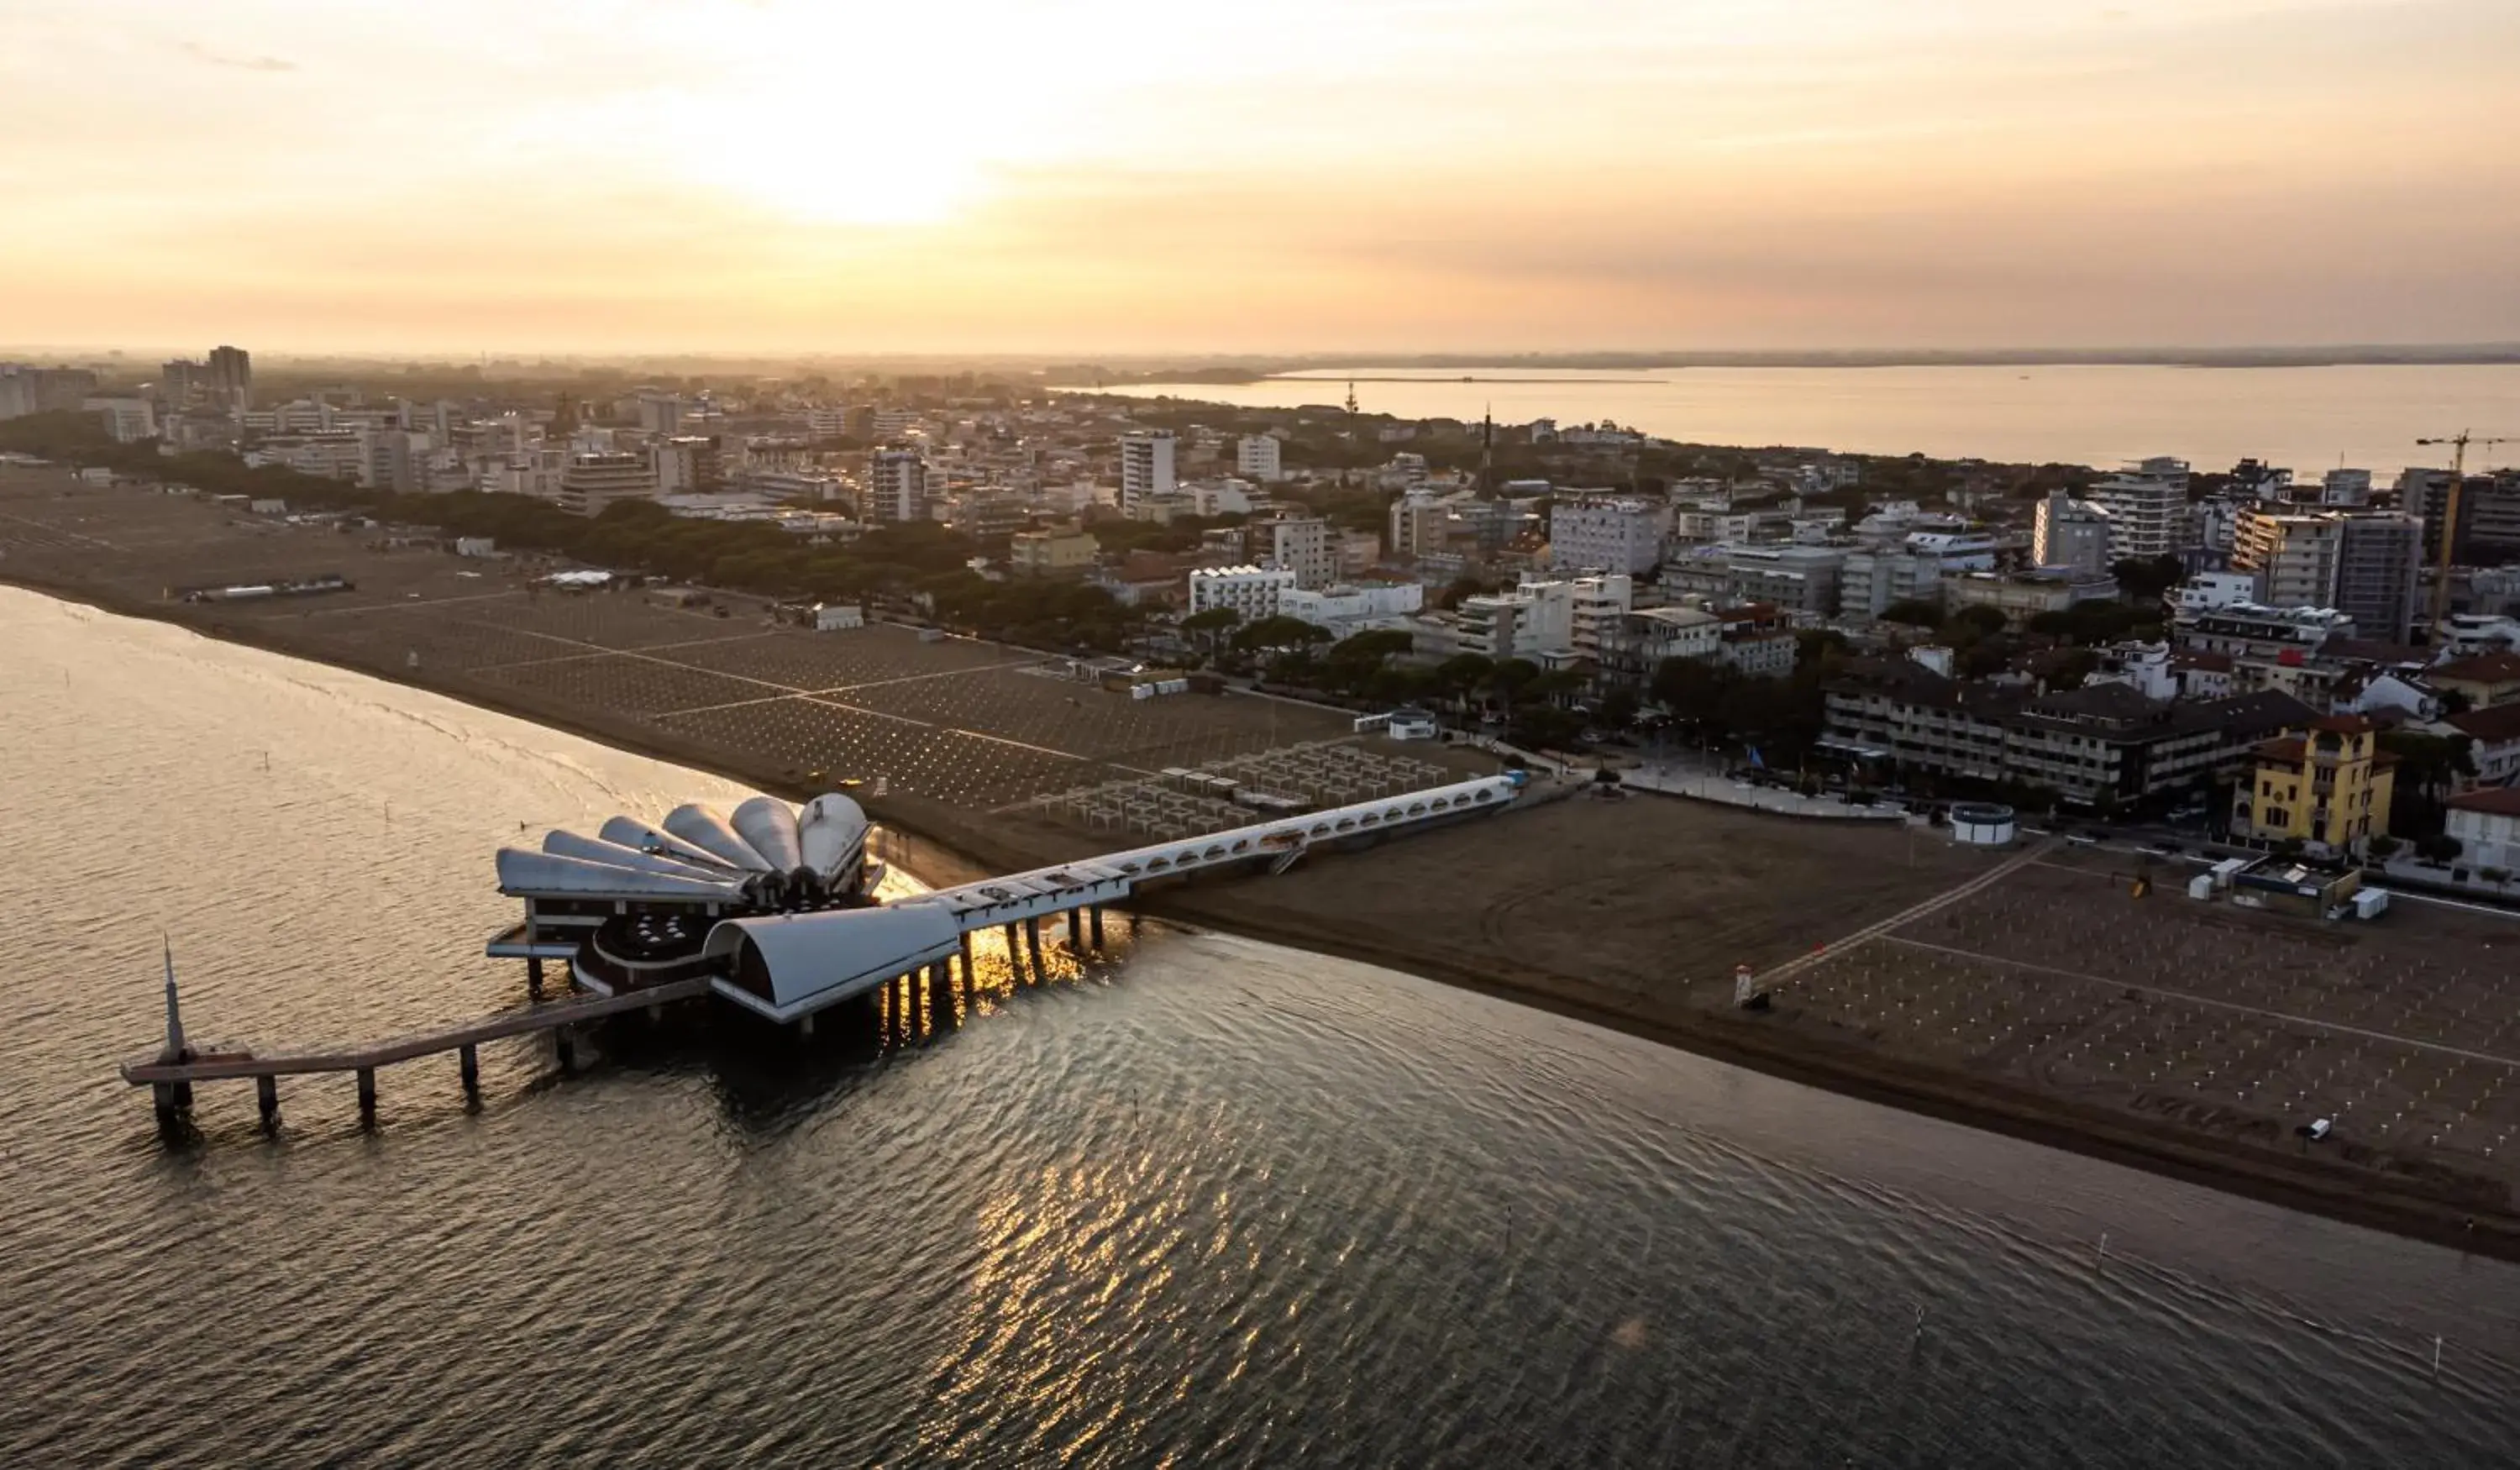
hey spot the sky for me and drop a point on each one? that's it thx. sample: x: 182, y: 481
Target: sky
x: 1182, y: 176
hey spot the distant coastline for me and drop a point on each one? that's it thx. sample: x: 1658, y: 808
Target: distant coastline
x: 1328, y: 367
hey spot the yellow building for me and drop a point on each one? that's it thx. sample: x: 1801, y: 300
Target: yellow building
x: 2328, y: 784
x: 1056, y: 551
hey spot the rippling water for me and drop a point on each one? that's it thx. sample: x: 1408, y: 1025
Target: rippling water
x: 2307, y: 419
x: 1216, y: 1203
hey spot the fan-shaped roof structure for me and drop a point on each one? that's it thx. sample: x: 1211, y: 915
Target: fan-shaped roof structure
x: 754, y: 859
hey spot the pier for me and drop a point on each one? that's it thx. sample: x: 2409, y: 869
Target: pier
x: 170, y: 1075
x: 773, y: 913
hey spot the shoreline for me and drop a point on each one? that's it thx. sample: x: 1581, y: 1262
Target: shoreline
x: 946, y: 838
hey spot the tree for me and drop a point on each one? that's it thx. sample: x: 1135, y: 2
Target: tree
x: 2438, y: 847
x: 1462, y: 674
x: 2145, y: 579
x: 1692, y: 689
x: 1209, y: 627
x: 1618, y: 709
x: 1975, y: 622
x: 1509, y: 679
x: 1542, y: 726
x: 1913, y: 611
x: 1281, y: 632
x: 2383, y: 845
x: 2428, y: 764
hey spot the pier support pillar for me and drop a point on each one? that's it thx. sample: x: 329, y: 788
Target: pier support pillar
x: 1133, y: 923
x: 368, y: 1094
x: 1076, y: 929
x: 1014, y: 954
x: 162, y: 1095
x: 1095, y: 914
x: 1032, y: 946
x: 183, y: 1092
x: 467, y: 1063
x: 565, y: 1049
x: 267, y: 1097
x: 534, y: 977
x: 940, y: 997
x: 968, y: 977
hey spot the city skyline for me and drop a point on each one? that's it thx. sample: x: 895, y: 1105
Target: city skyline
x: 1123, y: 177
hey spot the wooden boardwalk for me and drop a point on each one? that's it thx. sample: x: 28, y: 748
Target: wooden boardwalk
x: 223, y: 1066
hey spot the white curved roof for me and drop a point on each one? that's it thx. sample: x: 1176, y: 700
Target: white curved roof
x: 769, y: 827
x: 630, y: 833
x: 596, y: 850
x: 524, y: 874
x: 832, y: 834
x: 707, y: 830
x: 809, y: 960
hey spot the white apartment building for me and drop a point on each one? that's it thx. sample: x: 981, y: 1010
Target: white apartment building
x: 889, y: 425
x: 898, y: 486
x: 334, y: 457
x: 394, y: 459
x: 1225, y: 497
x: 2070, y: 534
x: 1344, y: 610
x: 1418, y: 526
x: 533, y: 471
x: 1254, y: 592
x: 1623, y: 536
x: 787, y: 485
x: 128, y: 419
x: 2147, y: 509
x: 2344, y: 487
x: 1256, y: 457
x: 1145, y: 467
x: 2294, y: 558
x: 2204, y: 592
x: 593, y: 481
x: 1298, y: 544
x: 826, y: 422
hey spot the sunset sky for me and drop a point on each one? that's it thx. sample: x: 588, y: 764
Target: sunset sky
x: 1179, y: 176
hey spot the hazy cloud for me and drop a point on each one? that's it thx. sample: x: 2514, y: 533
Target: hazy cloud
x: 201, y: 53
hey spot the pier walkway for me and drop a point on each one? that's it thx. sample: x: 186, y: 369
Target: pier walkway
x: 229, y: 1066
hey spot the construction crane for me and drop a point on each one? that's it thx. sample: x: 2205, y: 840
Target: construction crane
x: 2450, y: 522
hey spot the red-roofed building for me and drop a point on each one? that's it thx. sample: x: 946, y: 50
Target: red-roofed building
x: 2330, y: 785
x: 2487, y: 680
x: 2495, y: 732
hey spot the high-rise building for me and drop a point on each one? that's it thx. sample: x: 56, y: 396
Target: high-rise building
x: 2380, y: 574
x: 660, y: 413
x: 897, y: 487
x: 1145, y: 467
x: 2070, y: 534
x: 1598, y: 535
x: 231, y: 377
x: 128, y: 419
x: 2147, y: 508
x: 1298, y: 544
x: 2489, y: 511
x: 596, y: 480
x: 182, y: 380
x: 2292, y: 555
x: 1256, y: 457
x: 18, y: 390
x: 394, y: 459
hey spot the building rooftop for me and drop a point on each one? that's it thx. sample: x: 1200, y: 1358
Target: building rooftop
x: 2497, y: 801
x: 2482, y: 668
x: 2492, y: 724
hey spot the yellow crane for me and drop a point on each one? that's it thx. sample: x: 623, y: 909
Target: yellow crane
x: 2458, y: 443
